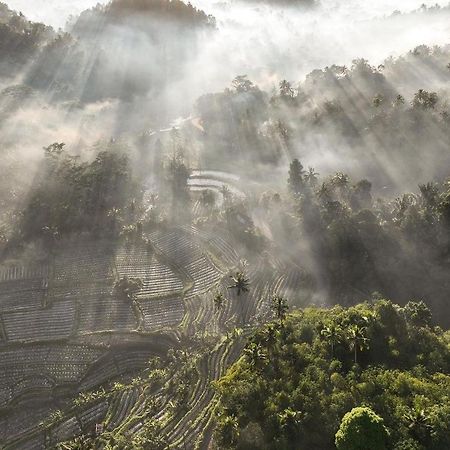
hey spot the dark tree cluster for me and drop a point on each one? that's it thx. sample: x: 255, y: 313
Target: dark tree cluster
x: 20, y: 40
x: 175, y: 10
x: 399, y: 247
x: 71, y: 196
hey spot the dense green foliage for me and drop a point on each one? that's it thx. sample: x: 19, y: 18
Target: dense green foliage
x: 75, y: 196
x: 297, y: 380
x: 361, y: 429
x: 361, y: 243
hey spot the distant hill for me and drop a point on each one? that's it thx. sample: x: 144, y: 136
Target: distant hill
x: 123, y: 49
x: 20, y: 39
x: 169, y: 9
x: 139, y: 13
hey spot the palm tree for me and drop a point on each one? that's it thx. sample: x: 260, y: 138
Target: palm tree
x: 79, y: 443
x: 230, y: 429
x: 333, y: 334
x: 290, y: 420
x: 280, y: 308
x: 357, y: 339
x: 311, y: 177
x: 219, y: 300
x: 419, y: 425
x: 399, y: 100
x: 226, y: 194
x: 324, y: 192
x: 270, y: 336
x: 240, y: 282
x: 254, y: 353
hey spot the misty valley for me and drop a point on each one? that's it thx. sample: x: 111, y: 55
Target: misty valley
x: 224, y: 225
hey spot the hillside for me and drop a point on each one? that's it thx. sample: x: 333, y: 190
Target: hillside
x: 20, y: 40
x: 297, y: 378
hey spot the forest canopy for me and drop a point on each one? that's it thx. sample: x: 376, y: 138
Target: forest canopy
x: 374, y: 375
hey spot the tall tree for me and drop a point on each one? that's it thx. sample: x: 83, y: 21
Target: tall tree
x: 240, y: 283
x: 357, y: 339
x: 333, y: 335
x: 286, y: 90
x: 219, y: 301
x: 311, y: 177
x: 128, y: 288
x: 242, y: 84
x: 419, y: 425
x: 280, y: 308
x: 296, y: 182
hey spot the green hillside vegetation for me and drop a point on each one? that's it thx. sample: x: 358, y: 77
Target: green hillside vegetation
x: 373, y: 376
x: 364, y: 243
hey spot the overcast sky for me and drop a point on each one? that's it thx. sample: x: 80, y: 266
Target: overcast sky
x: 52, y: 12
x: 55, y: 12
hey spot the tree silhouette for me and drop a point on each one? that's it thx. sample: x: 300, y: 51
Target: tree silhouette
x: 270, y: 336
x: 324, y: 192
x: 289, y: 421
x: 240, y: 283
x: 226, y: 194
x: 425, y: 100
x: 127, y: 288
x: 311, y: 177
x: 229, y: 430
x: 358, y: 341
x: 280, y: 308
x: 295, y: 181
x: 286, y: 89
x: 419, y: 426
x: 242, y: 84
x: 219, y: 301
x: 333, y: 335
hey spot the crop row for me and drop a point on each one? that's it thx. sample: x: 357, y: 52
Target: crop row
x: 54, y: 323
x: 22, y: 294
x: 160, y: 313
x: 23, y: 272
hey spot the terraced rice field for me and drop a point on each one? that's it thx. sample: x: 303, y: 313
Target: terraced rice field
x: 65, y: 333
